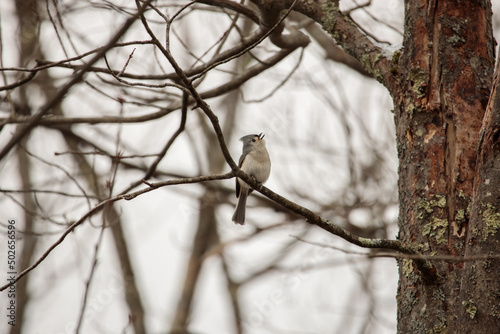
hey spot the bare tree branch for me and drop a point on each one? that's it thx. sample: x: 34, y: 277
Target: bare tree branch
x: 20, y: 133
x: 345, y: 32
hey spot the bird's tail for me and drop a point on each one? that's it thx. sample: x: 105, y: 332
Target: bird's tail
x: 239, y: 212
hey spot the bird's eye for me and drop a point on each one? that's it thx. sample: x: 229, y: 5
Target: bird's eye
x: 253, y: 140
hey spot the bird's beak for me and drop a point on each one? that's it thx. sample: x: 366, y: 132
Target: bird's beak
x: 261, y: 136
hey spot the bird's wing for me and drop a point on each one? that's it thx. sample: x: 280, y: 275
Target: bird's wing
x: 240, y: 163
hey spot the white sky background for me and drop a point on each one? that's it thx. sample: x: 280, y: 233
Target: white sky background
x: 306, y: 141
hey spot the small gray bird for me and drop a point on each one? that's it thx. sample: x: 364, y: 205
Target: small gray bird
x: 256, y: 163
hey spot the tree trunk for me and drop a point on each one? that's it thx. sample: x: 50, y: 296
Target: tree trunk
x: 446, y: 72
x: 480, y: 289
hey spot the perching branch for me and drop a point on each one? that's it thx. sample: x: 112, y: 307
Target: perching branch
x: 304, y: 212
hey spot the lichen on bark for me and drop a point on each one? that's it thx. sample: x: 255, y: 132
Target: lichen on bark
x: 491, y: 218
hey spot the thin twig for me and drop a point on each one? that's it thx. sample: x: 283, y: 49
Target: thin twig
x: 91, y: 276
x: 68, y: 174
x: 281, y: 84
x: 44, y: 191
x: 140, y: 84
x: 126, y: 63
x: 251, y: 46
x: 20, y: 82
x: 117, y: 157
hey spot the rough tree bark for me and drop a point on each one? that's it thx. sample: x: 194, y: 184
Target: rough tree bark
x: 440, y: 82
x: 445, y: 74
x: 480, y: 290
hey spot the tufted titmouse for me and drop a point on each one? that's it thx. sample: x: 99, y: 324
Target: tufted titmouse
x: 256, y: 163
